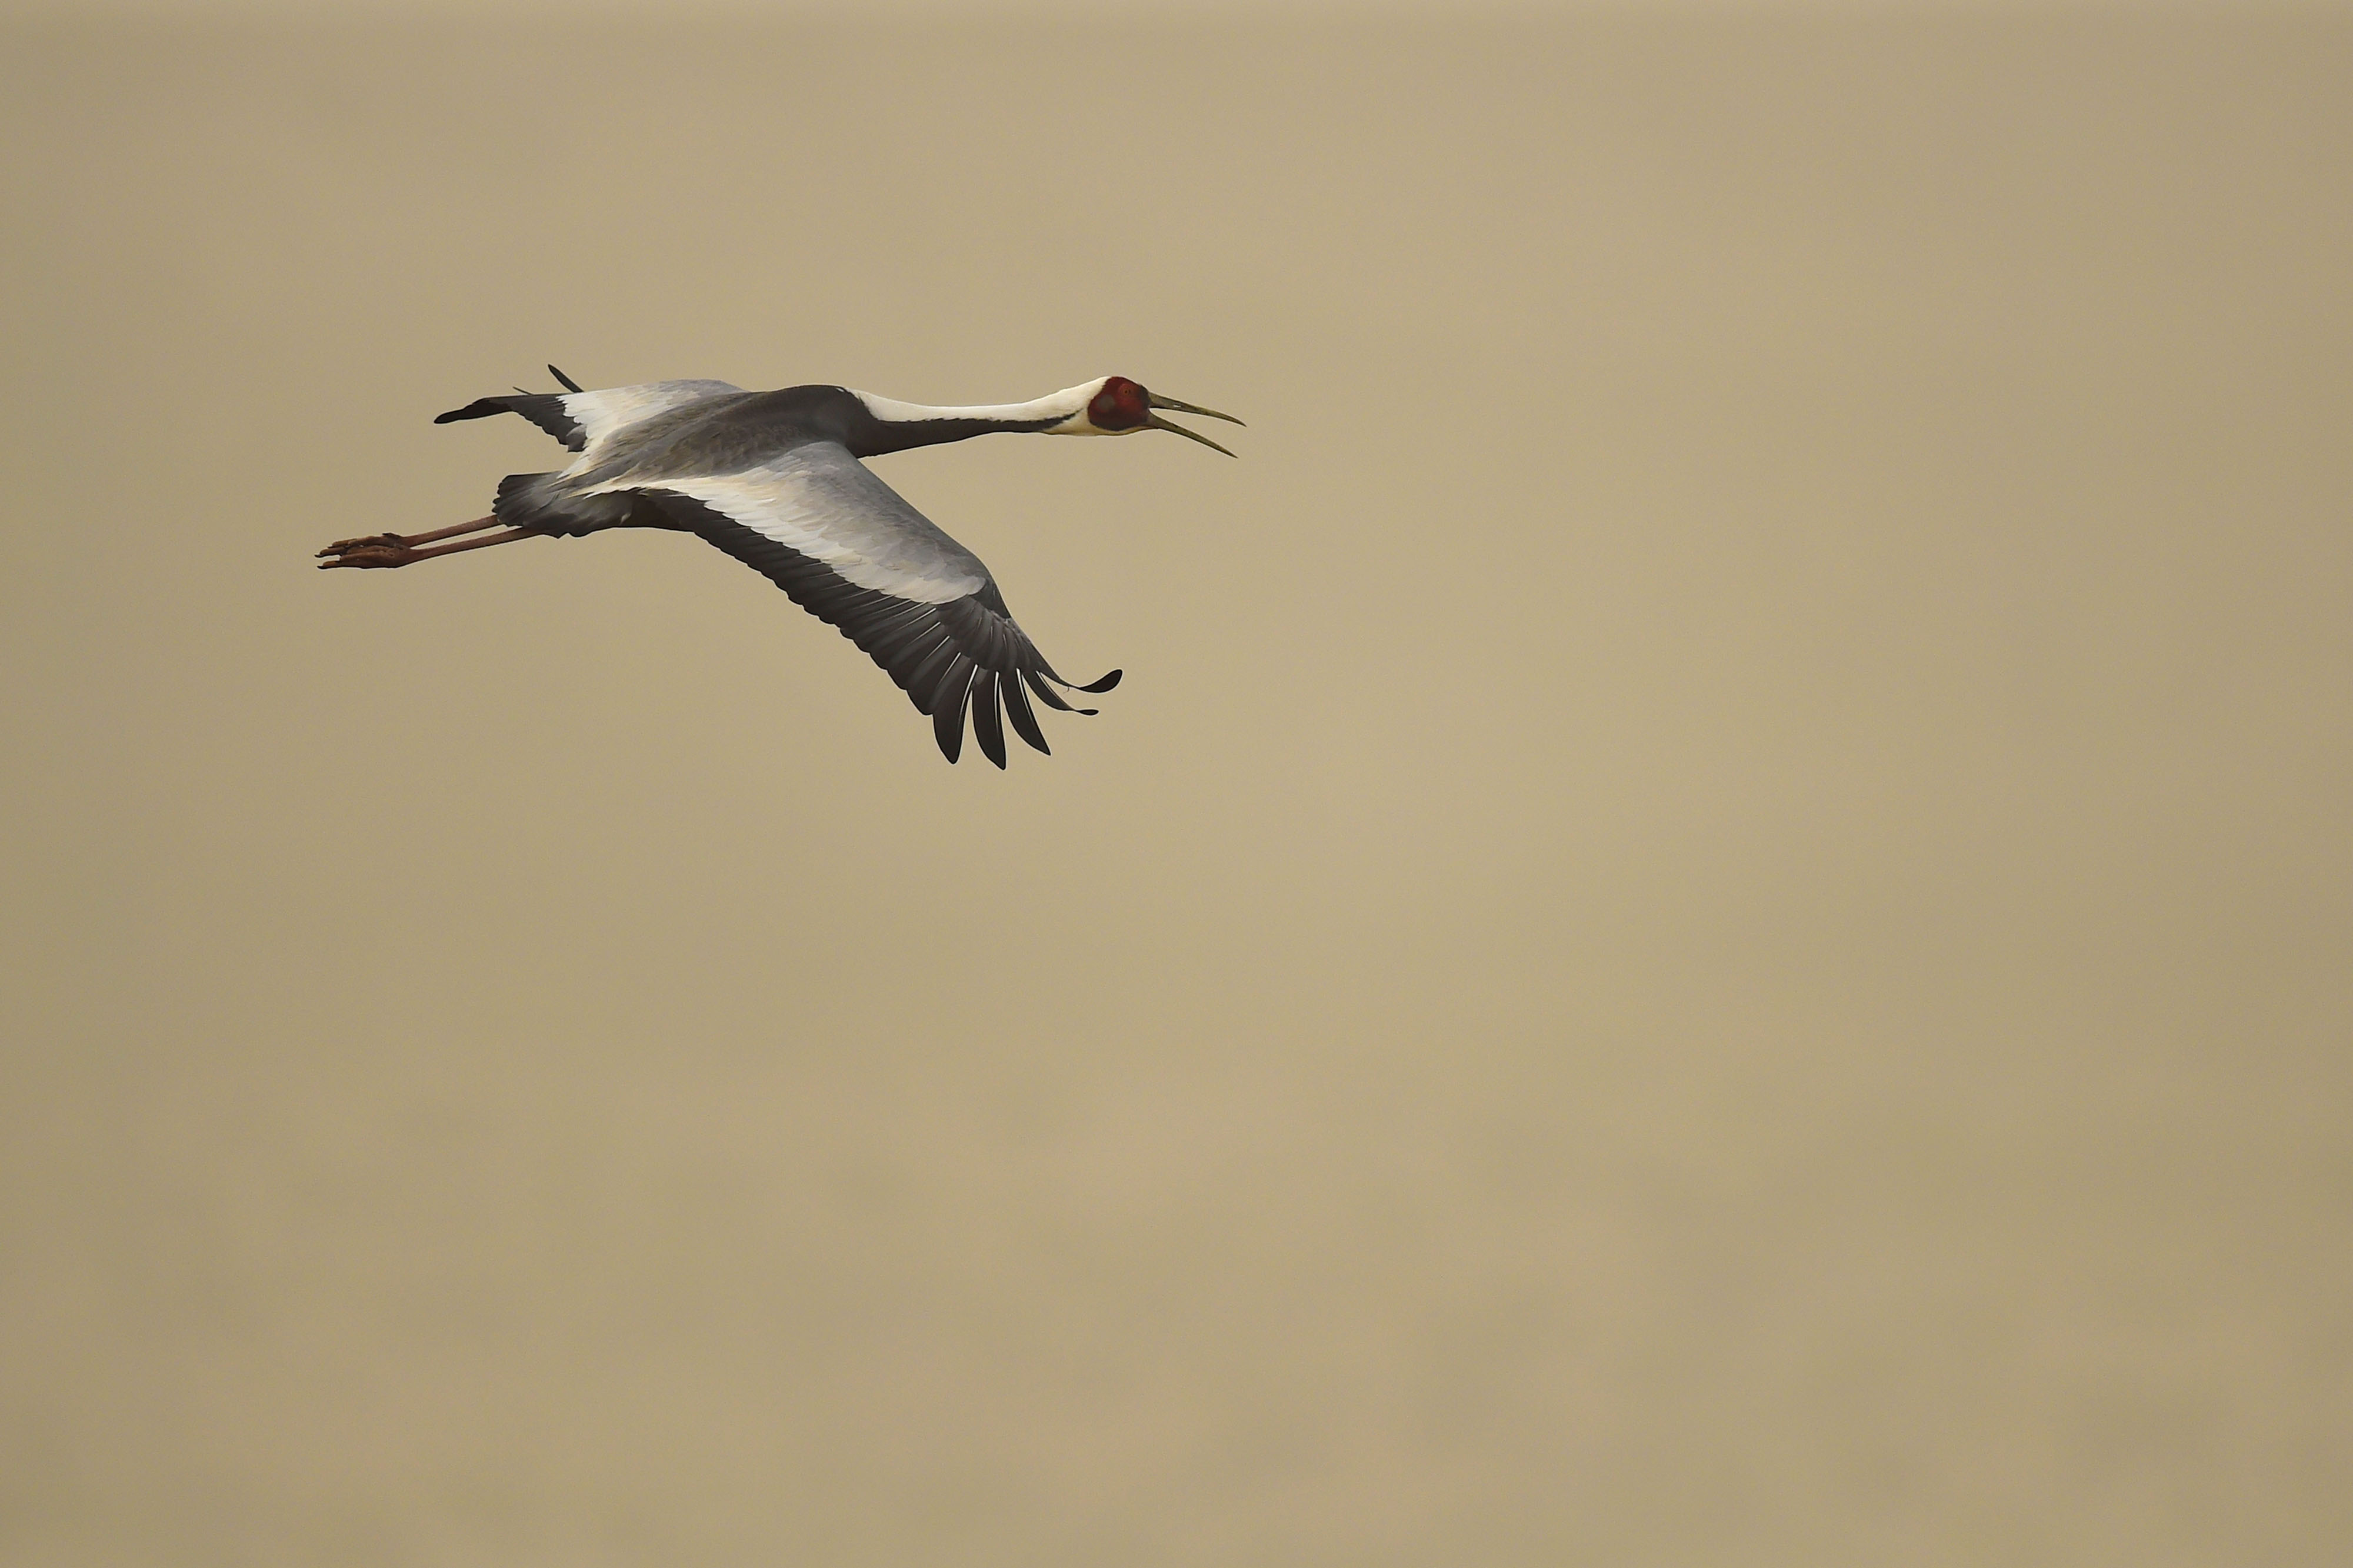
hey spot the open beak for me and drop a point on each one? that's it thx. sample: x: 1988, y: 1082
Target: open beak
x: 1156, y: 423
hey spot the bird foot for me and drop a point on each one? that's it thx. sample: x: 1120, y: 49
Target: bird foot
x: 377, y: 549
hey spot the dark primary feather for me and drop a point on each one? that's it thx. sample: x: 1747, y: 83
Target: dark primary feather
x: 947, y: 708
x: 545, y: 409
x: 1016, y: 708
x: 987, y: 727
x: 967, y: 655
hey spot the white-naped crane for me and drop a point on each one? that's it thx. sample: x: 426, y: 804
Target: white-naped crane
x: 774, y: 478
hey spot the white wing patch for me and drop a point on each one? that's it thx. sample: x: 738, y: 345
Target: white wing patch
x: 601, y: 415
x: 825, y: 503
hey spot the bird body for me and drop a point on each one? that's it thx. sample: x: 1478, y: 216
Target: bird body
x: 776, y: 480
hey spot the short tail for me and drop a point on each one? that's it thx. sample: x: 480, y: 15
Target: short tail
x: 538, y: 500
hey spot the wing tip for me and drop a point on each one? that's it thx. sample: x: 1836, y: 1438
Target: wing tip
x: 1019, y: 713
x: 954, y: 691
x: 987, y: 720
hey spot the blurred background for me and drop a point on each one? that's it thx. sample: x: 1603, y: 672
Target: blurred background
x: 1712, y: 927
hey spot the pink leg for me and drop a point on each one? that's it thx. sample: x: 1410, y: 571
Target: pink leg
x: 403, y: 541
x: 392, y: 550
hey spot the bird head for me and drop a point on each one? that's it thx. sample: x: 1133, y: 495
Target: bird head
x: 1118, y: 407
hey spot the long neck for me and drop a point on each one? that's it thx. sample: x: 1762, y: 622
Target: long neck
x: 893, y: 427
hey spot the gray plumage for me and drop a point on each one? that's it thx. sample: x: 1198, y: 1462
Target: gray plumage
x: 775, y: 480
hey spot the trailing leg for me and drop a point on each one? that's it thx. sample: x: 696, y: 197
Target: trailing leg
x: 384, y: 550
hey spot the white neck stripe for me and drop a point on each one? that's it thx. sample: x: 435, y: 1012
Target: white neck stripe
x: 1062, y: 406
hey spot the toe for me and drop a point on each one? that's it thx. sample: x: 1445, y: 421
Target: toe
x: 344, y: 546
x: 366, y: 553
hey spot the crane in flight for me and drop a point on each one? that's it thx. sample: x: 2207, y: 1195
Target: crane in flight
x: 777, y: 481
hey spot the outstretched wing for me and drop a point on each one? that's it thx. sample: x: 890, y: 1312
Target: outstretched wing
x: 584, y: 420
x: 851, y: 551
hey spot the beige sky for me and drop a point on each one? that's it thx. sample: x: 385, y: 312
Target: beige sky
x: 1174, y: 11
x: 1711, y: 925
